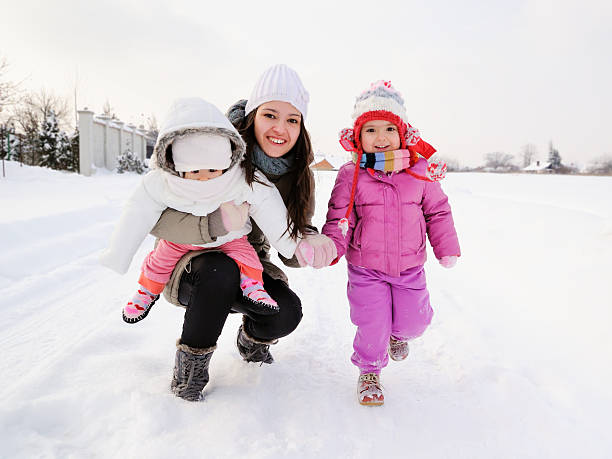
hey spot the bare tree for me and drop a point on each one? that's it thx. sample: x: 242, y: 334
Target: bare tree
x: 8, y: 89
x: 601, y: 165
x: 38, y: 106
x: 152, y: 126
x: 528, y: 153
x: 31, y: 112
x: 499, y: 161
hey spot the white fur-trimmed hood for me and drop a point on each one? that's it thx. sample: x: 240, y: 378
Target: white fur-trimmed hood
x: 193, y: 115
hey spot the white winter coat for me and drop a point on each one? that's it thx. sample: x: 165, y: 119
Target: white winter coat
x: 162, y: 188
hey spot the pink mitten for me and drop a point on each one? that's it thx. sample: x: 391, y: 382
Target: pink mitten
x: 323, y: 250
x: 234, y: 216
x: 304, y: 253
x: 448, y: 261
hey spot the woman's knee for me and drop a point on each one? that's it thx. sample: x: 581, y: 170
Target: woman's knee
x: 217, y: 270
x: 292, y: 316
x: 210, y: 274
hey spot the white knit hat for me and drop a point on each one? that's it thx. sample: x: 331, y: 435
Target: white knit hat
x: 201, y: 151
x: 279, y: 82
x: 380, y: 96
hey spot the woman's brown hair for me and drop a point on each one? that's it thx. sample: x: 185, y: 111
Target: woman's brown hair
x: 298, y: 201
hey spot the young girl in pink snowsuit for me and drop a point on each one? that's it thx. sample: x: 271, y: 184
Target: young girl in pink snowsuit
x: 382, y: 206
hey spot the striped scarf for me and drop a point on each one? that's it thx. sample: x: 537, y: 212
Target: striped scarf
x: 386, y: 161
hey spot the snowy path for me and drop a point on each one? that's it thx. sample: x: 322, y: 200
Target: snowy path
x: 516, y: 362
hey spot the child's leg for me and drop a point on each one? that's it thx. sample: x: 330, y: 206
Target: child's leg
x: 156, y: 270
x: 159, y: 264
x: 251, y: 284
x: 369, y: 295
x: 251, y: 281
x: 412, y: 312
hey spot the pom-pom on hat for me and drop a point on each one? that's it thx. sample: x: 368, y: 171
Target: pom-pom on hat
x: 201, y: 151
x: 279, y: 82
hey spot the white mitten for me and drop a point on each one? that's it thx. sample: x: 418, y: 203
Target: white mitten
x: 448, y: 261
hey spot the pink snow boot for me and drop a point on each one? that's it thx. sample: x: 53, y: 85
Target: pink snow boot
x: 254, y: 292
x: 137, y: 309
x: 369, y: 391
x: 398, y: 349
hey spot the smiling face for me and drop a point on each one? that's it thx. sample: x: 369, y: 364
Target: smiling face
x: 277, y: 127
x: 379, y: 135
x: 203, y: 174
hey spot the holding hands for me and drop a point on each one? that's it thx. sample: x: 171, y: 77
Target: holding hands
x: 316, y: 250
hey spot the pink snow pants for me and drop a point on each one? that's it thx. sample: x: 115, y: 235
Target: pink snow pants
x: 381, y: 306
x: 160, y: 262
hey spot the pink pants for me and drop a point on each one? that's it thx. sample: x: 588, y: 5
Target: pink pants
x: 381, y: 306
x: 159, y: 264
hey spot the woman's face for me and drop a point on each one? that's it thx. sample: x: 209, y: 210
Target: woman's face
x: 277, y: 127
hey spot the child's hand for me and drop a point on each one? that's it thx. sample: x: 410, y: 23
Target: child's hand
x: 234, y: 216
x: 448, y: 261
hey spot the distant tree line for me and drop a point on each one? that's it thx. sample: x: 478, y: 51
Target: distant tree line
x: 527, y: 162
x: 36, y: 129
x: 33, y: 127
x: 504, y: 162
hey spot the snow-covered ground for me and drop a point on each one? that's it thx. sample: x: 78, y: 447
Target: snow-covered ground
x: 516, y: 363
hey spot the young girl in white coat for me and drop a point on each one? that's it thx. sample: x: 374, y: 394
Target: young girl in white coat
x: 196, y: 169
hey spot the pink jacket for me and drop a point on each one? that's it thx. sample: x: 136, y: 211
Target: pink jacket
x: 389, y: 219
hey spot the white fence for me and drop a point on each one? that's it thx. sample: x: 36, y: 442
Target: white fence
x: 102, y: 139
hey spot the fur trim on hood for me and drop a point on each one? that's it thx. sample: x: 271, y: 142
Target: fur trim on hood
x: 189, y: 116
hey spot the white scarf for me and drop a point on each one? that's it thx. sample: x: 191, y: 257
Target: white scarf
x: 207, y: 194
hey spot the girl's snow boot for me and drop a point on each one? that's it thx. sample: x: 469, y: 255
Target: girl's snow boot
x: 190, y: 371
x: 369, y: 391
x: 253, y: 350
x: 254, y: 292
x: 398, y: 349
x: 140, y: 305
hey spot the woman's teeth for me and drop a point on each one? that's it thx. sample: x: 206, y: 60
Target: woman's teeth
x: 276, y: 141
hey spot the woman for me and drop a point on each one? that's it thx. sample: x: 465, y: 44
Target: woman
x: 271, y: 123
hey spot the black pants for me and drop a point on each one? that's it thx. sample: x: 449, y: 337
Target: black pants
x: 211, y: 290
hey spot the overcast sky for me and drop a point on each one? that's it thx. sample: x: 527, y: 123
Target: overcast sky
x: 477, y: 76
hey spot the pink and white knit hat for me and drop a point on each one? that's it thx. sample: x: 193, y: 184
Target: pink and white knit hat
x: 279, y: 82
x: 381, y: 101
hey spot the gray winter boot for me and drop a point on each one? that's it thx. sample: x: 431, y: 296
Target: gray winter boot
x: 190, y: 371
x: 252, y: 349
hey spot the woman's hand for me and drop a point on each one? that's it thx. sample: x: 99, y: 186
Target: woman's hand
x: 316, y: 250
x: 234, y: 216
